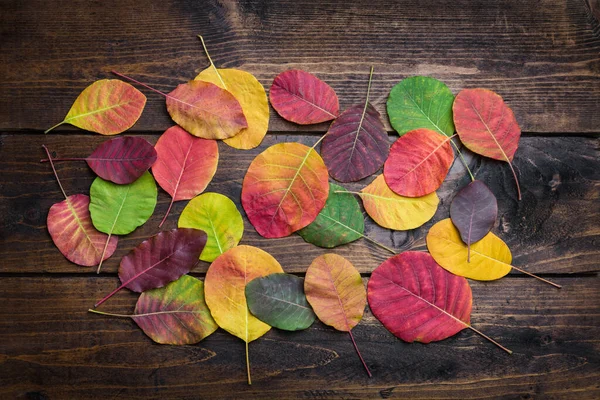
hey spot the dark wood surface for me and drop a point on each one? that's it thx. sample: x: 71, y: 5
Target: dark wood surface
x: 543, y: 57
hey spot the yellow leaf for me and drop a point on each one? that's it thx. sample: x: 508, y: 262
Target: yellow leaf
x: 393, y: 211
x: 251, y: 96
x: 490, y: 257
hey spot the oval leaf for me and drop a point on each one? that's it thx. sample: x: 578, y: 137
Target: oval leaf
x: 253, y: 99
x: 356, y: 144
x: 186, y: 164
x: 107, y: 106
x: 72, y: 231
x: 225, y: 289
x: 279, y: 300
x: 417, y: 300
x: 418, y: 163
x: 421, y: 102
x: 397, y: 212
x: 284, y: 189
x: 490, y: 257
x: 303, y: 98
x: 487, y: 126
x: 218, y: 216
x: 122, y: 160
x: 205, y: 110
x: 341, y: 221
x: 176, y: 313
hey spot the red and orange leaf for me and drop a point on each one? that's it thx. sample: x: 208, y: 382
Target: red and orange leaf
x: 303, y: 98
x: 417, y: 300
x: 487, y: 126
x: 418, y: 163
x: 285, y: 188
x: 185, y: 164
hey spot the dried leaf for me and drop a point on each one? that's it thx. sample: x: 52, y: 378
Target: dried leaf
x: 303, y: 98
x: 218, y: 216
x: 284, y: 189
x: 279, y: 300
x: 174, y: 314
x: 336, y: 293
x: 421, y: 102
x: 487, y: 126
x: 107, y: 106
x: 226, y: 281
x: 159, y: 260
x: 397, y: 212
x: 418, y: 163
x: 185, y: 165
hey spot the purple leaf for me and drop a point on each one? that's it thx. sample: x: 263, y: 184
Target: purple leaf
x: 122, y: 160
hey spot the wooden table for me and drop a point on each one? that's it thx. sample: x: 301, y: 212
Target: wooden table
x: 542, y: 56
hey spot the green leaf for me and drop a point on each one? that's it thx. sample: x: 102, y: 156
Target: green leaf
x: 218, y: 216
x: 339, y: 222
x: 279, y: 300
x: 421, y: 102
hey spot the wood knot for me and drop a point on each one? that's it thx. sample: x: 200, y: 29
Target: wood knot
x: 555, y: 182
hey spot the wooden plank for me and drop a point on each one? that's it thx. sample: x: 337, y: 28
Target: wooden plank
x: 50, y: 346
x: 542, y: 57
x: 554, y: 229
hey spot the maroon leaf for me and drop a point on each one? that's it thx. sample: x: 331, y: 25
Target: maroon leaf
x: 473, y: 212
x: 159, y: 260
x: 303, y: 98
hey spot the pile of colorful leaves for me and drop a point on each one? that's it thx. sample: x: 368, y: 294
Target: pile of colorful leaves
x: 285, y: 190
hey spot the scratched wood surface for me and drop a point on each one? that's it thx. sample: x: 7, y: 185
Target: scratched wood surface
x: 542, y: 56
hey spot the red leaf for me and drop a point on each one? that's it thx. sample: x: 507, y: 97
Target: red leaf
x: 303, y: 98
x: 159, y: 260
x: 418, y: 163
x: 487, y: 126
x: 185, y: 165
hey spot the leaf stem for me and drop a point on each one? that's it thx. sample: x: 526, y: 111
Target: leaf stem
x: 212, y: 64
x: 103, y: 252
x: 369, y: 87
x: 141, y: 84
x: 55, y: 126
x: 54, y: 170
x: 167, y: 214
x: 359, y: 355
x: 516, y: 179
x: 43, y: 160
x: 490, y: 339
x: 110, y: 314
x: 537, y: 277
x: 248, y: 365
x: 463, y: 159
x: 379, y: 244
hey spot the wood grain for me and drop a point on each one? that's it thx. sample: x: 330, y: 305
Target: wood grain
x: 50, y: 345
x: 541, y: 57
x: 557, y: 176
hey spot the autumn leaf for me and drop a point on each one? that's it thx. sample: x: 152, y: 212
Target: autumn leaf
x: 174, y: 314
x: 284, y: 189
x: 473, y: 212
x: 159, y: 260
x: 487, y: 126
x: 71, y: 229
x: 226, y: 281
x: 356, y: 144
x: 218, y: 216
x: 418, y: 301
x: 278, y: 300
x: 303, y: 98
x: 119, y: 209
x: 185, y: 166
x: 107, y: 106
x: 203, y: 109
x: 418, y: 163
x: 336, y: 293
x: 252, y: 97
x: 490, y: 258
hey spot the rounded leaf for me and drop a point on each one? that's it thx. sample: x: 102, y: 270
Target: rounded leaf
x: 421, y: 102
x: 490, y: 257
x: 225, y: 286
x: 473, y: 211
x: 284, y: 189
x: 418, y: 163
x: 279, y: 300
x: 303, y: 98
x: 253, y: 99
x: 417, y: 300
x: 393, y: 211
x: 335, y: 291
